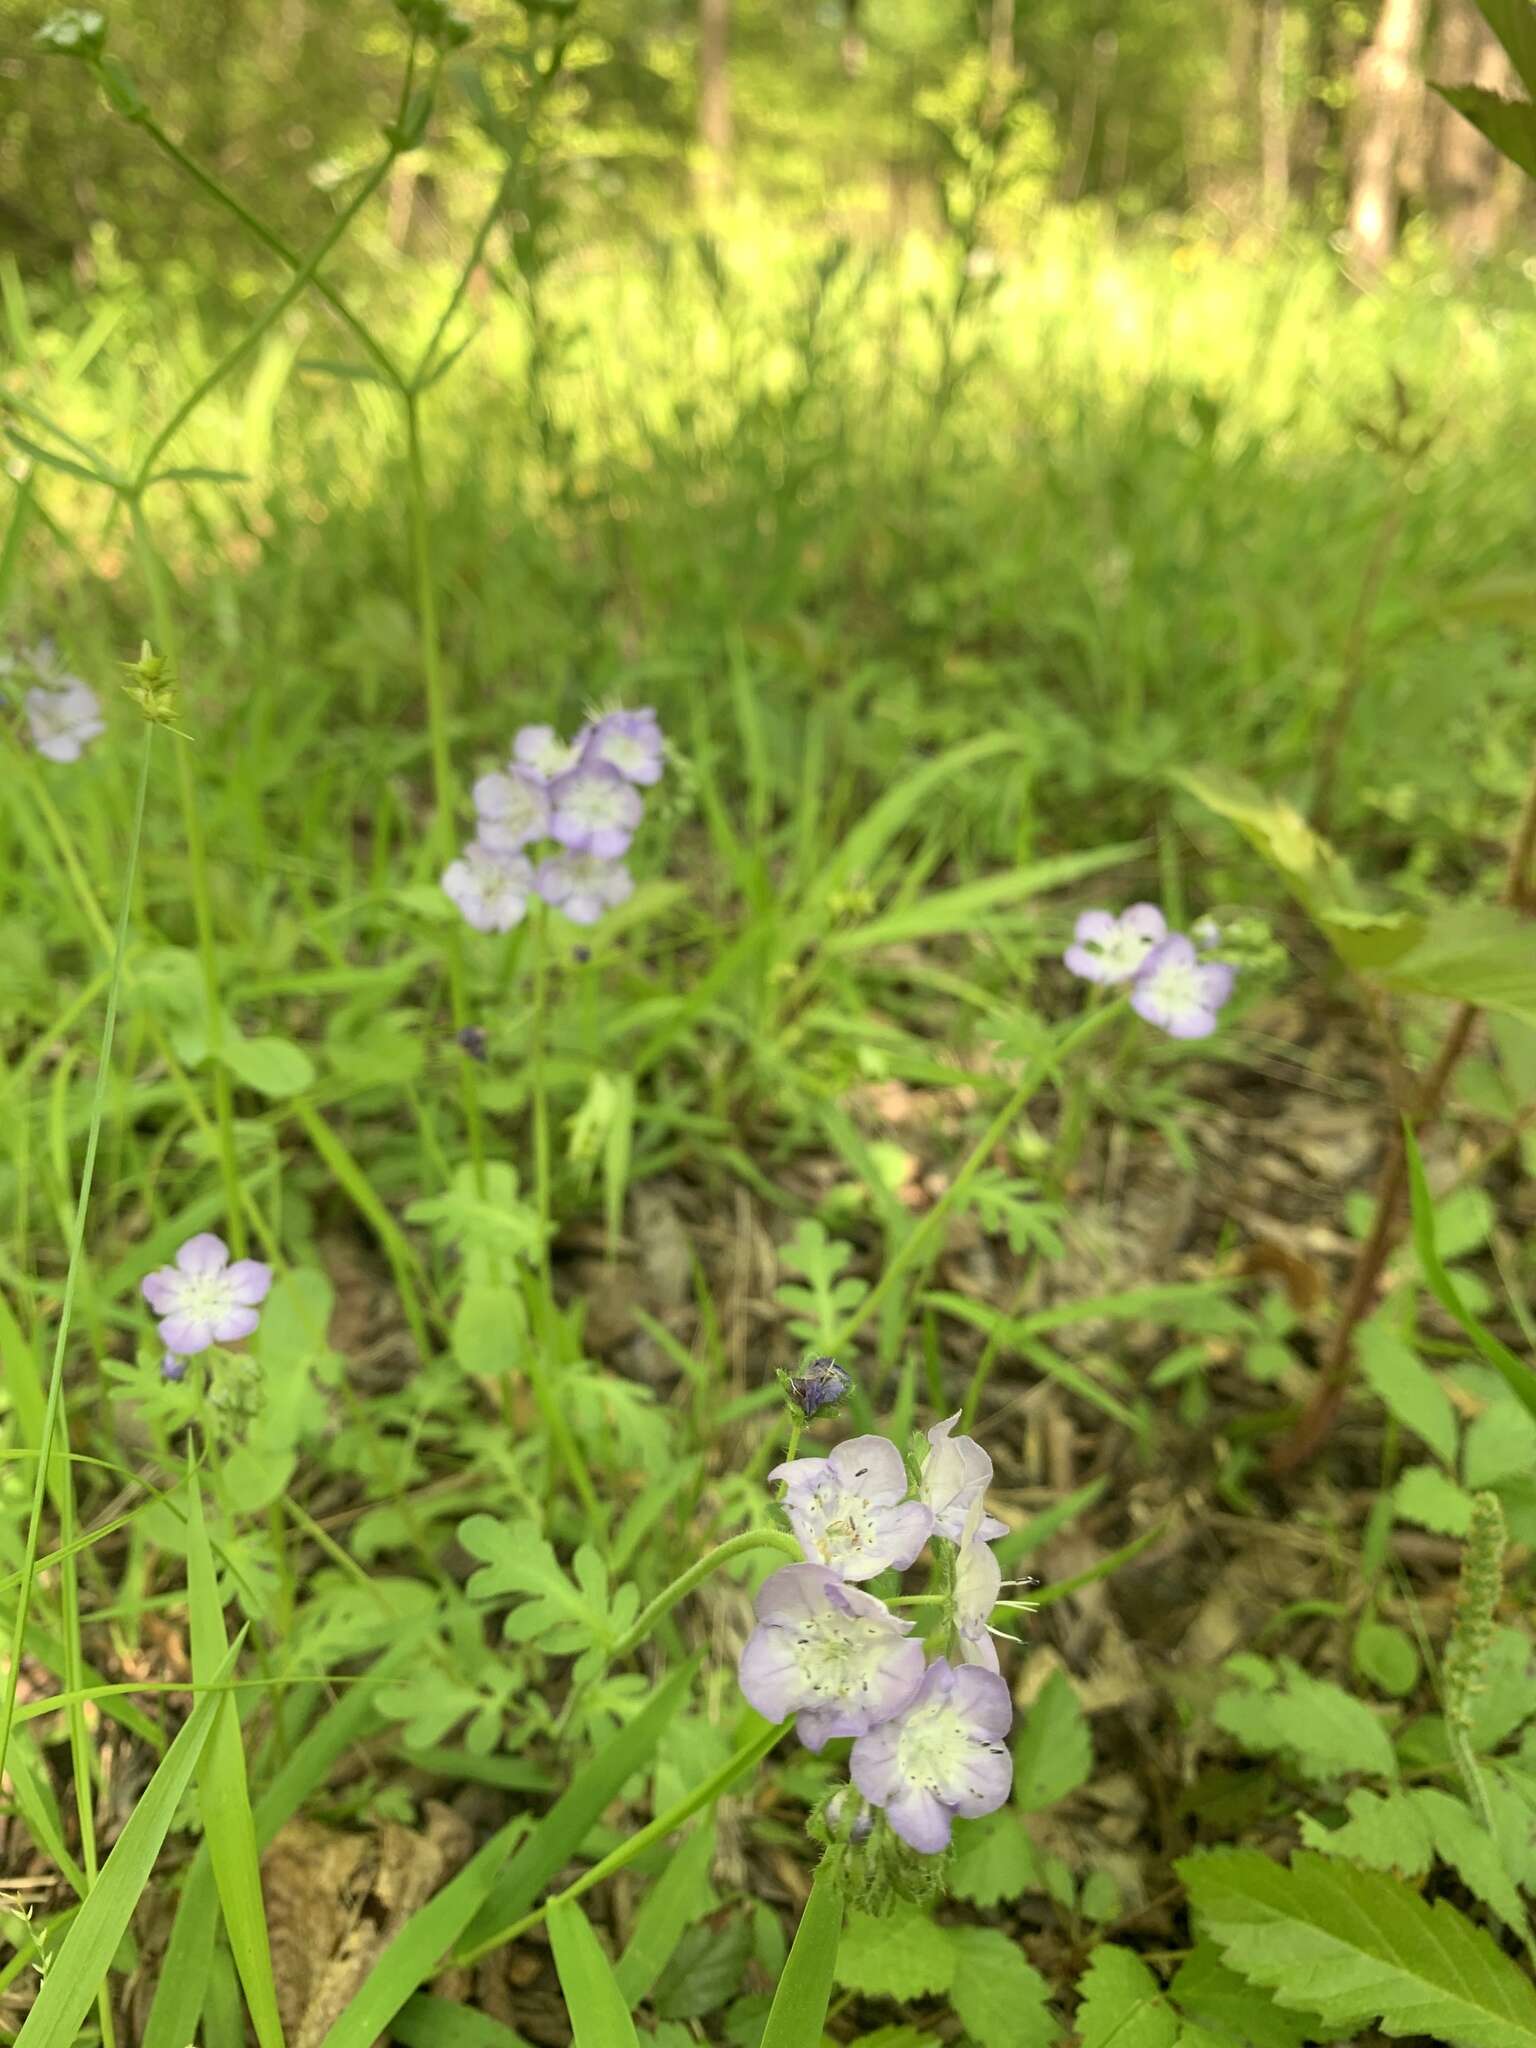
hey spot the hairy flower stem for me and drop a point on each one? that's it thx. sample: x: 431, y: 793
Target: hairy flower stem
x: 58, y: 1476
x: 152, y: 569
x: 1316, y: 1422
x: 696, y: 1574
x: 916, y: 1244
x: 442, y: 765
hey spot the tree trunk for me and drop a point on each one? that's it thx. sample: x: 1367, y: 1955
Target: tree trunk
x: 1471, y: 183
x: 1274, y: 127
x: 714, y: 97
x: 1388, y: 87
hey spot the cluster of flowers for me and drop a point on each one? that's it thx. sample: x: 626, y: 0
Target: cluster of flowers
x: 1175, y: 984
x: 204, y: 1299
x: 582, y: 793
x: 929, y: 1738
x: 63, y: 712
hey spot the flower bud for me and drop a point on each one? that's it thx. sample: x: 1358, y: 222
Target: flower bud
x: 74, y: 32
x: 820, y: 1383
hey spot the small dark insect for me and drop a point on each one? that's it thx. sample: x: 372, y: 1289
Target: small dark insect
x: 474, y: 1041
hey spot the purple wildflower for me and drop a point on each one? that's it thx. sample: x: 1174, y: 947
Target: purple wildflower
x: 63, y: 712
x: 512, y: 809
x: 540, y: 752
x: 595, y: 811
x: 491, y: 888
x: 941, y: 1756
x: 203, y: 1299
x: 1178, y: 992
x: 1107, y: 948
x: 629, y: 742
x: 817, y: 1385
x: 956, y: 1474
x: 173, y: 1368
x: 836, y: 1657
x: 582, y: 885
x: 850, y: 1511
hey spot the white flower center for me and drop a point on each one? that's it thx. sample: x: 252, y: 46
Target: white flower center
x: 627, y: 752
x: 551, y: 757
x: 1177, y: 985
x: 204, y: 1296
x: 850, y: 1527
x: 598, y: 803
x: 1124, y: 951
x: 837, y: 1653
x: 934, y: 1747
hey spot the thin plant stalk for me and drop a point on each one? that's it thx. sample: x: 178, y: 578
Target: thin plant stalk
x: 1317, y: 1419
x: 152, y: 569
x: 54, y: 1409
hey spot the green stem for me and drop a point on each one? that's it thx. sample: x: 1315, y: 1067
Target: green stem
x: 274, y: 312
x: 696, y: 1574
x: 206, y: 182
x: 55, y: 1404
x: 915, y: 1246
x: 718, y: 1782
x: 153, y: 572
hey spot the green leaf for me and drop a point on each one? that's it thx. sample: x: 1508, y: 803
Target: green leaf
x: 994, y: 1860
x: 223, y: 1795
x: 596, y: 2007
x: 706, y: 1971
x: 1054, y: 1753
x: 804, y: 1991
x: 563, y: 1829
x: 677, y: 1897
x: 1232, y: 2012
x: 1318, y: 1725
x: 1517, y: 1376
x: 1122, y: 2003
x: 82, y: 1960
x: 1387, y: 1657
x: 418, y: 1949
x: 942, y: 911
x: 272, y: 1066
x: 1478, y: 953
x: 1383, y: 1832
x: 1408, y: 1389
x: 428, y: 2022
x: 1317, y: 875
x: 898, y: 1955
x: 490, y: 1329
x: 1514, y: 23
x: 1465, y: 1844
x: 1359, y: 1948
x: 1002, y: 2000
x: 1425, y: 1496
x: 563, y: 1615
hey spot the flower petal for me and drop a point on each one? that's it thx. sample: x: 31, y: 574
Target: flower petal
x: 186, y: 1334
x: 232, y: 1323
x: 162, y: 1289
x: 204, y: 1253
x: 872, y: 1467
x: 248, y: 1281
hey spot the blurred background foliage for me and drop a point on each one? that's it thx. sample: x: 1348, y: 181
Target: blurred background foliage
x: 1232, y: 115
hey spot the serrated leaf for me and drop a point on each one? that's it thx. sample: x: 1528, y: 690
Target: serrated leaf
x: 1506, y: 1698
x: 1317, y: 874
x: 1357, y: 1947
x: 1002, y: 2001
x: 901, y: 1955
x: 994, y: 1860
x: 1324, y: 1731
x: 1425, y: 1496
x: 1474, y: 953
x: 1465, y: 1844
x: 1230, y: 2011
x: 1384, y: 1832
x: 1054, y: 1752
x: 1121, y: 2003
x: 1408, y: 1389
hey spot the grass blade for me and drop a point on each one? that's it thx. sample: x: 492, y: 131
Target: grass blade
x: 223, y: 1794
x: 81, y: 1966
x: 667, y: 1909
x: 568, y: 1822
x: 805, y: 1989
x: 598, y: 2013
